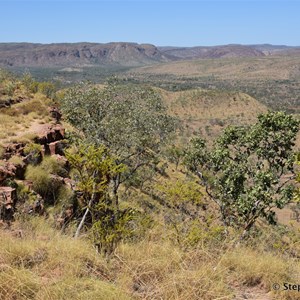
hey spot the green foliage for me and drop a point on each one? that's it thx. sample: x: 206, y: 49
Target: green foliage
x: 205, y: 233
x: 110, y: 227
x: 184, y: 212
x: 179, y: 193
x: 141, y: 177
x: 32, y: 148
x: 43, y: 183
x: 27, y: 81
x: 47, y: 88
x: 175, y: 154
x: 16, y: 160
x: 45, y: 178
x: 10, y: 87
x: 93, y: 168
x: 54, y: 166
x: 244, y: 172
x: 123, y: 117
x: 130, y: 120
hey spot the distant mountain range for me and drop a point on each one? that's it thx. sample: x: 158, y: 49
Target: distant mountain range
x: 123, y: 54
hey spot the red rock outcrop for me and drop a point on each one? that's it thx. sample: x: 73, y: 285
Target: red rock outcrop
x: 13, y: 149
x: 50, y: 134
x: 55, y: 113
x: 7, y: 170
x: 56, y: 148
x: 8, y: 199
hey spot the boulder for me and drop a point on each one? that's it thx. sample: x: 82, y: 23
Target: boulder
x: 8, y: 199
x: 50, y: 134
x: 13, y: 149
x: 20, y: 171
x: 55, y: 113
x: 7, y: 170
x: 56, y: 148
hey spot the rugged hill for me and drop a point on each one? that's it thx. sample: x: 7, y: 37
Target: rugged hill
x: 208, y: 112
x: 172, y: 252
x: 78, y: 54
x: 224, y: 51
x: 212, y: 52
x: 122, y: 54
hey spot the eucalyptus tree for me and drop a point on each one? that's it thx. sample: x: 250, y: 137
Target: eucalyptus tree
x: 249, y: 170
x: 131, y: 120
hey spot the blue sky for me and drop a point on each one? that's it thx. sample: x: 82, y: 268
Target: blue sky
x: 169, y: 22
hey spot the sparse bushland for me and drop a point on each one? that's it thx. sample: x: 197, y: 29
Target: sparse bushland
x: 272, y: 80
x: 164, y: 237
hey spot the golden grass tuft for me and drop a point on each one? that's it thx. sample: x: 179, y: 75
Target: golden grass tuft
x: 39, y: 262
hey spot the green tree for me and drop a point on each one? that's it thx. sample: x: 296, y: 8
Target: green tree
x: 93, y: 166
x: 47, y: 88
x: 175, y: 155
x: 131, y: 120
x: 249, y: 170
x: 92, y: 169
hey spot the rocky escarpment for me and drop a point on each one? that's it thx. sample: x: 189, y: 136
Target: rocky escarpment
x: 15, y: 159
x: 122, y: 54
x: 79, y: 54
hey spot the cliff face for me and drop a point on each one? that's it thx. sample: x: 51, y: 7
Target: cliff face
x: 79, y: 54
x: 122, y: 54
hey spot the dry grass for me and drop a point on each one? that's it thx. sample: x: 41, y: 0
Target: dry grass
x: 16, y: 128
x: 17, y: 120
x: 39, y: 262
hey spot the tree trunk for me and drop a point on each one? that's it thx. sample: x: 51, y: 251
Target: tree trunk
x: 86, y: 213
x: 115, y: 188
x: 82, y: 220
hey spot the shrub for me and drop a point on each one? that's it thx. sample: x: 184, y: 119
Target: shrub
x: 53, y: 166
x: 43, y: 183
x: 2, y: 151
x: 16, y: 160
x: 35, y: 105
x: 34, y: 153
x: 248, y: 165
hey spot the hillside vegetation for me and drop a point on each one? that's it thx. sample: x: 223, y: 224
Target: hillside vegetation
x: 208, y: 112
x: 109, y: 192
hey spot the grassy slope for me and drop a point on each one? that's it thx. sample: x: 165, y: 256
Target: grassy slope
x: 25, y: 111
x: 208, y: 112
x: 39, y: 262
